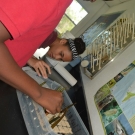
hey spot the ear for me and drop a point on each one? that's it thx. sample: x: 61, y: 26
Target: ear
x: 63, y: 41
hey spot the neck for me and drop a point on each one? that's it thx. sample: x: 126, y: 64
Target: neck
x: 57, y: 40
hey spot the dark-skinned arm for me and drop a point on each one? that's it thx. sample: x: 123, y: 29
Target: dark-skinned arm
x: 13, y: 75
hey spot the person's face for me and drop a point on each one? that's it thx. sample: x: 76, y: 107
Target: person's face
x: 60, y: 52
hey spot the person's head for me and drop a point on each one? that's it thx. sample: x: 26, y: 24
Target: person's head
x: 66, y: 49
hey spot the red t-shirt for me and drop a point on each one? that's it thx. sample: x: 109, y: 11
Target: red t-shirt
x: 30, y: 22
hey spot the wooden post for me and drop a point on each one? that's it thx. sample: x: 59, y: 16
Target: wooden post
x: 111, y: 43
x: 93, y: 69
x: 99, y: 63
x: 133, y: 28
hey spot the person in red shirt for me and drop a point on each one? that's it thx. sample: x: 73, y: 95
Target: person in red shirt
x: 24, y: 25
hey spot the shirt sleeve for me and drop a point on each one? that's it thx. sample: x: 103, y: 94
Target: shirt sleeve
x: 20, y: 17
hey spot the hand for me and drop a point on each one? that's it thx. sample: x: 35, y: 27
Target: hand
x: 51, y: 100
x: 40, y: 66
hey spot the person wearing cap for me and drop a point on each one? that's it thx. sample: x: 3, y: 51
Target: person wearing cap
x: 61, y: 49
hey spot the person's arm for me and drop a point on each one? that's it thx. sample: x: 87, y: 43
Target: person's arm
x: 12, y: 74
x: 40, y: 66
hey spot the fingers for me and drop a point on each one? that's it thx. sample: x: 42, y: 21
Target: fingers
x: 51, y: 100
x: 58, y: 107
x: 58, y: 110
x: 37, y: 71
x: 42, y: 68
x: 47, y: 67
x: 48, y: 111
